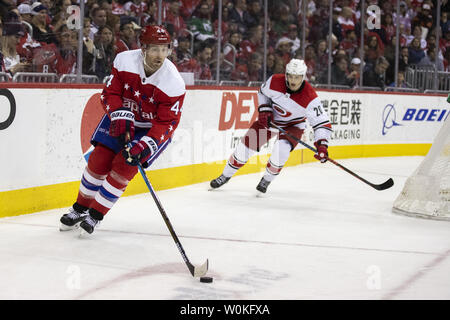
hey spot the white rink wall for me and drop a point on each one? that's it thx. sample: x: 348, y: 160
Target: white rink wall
x: 44, y: 132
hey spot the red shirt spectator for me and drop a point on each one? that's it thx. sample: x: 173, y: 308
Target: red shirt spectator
x: 251, y: 71
x: 188, y: 7
x: 200, y: 65
x: 252, y: 44
x: 173, y: 16
x: 345, y: 19
x: 388, y: 26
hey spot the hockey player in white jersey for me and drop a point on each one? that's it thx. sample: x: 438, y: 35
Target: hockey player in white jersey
x: 287, y: 100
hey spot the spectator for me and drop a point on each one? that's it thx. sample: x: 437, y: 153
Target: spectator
x: 127, y: 35
x: 373, y: 50
x: 149, y: 16
x: 293, y: 35
x: 445, y: 22
x: 5, y: 7
x: 201, y: 25
x: 349, y: 43
x: 447, y: 61
x: 118, y: 8
x: 135, y: 8
x: 255, y: 13
x: 283, y: 21
x: 174, y: 17
x: 403, y: 59
x: 200, y: 64
x: 310, y: 61
x: 431, y: 42
x: 112, y: 19
x: 188, y: 8
x: 339, y: 72
x: 61, y: 15
x: 387, y: 24
x: 240, y: 15
x: 418, y: 33
x: 415, y: 52
x: 353, y: 76
x: 231, y: 50
x: 253, y: 43
x: 251, y: 72
x: 104, y: 58
x: 405, y: 16
x: 99, y: 20
x: 225, y: 23
x: 405, y: 36
x: 401, y: 82
x: 322, y: 61
x: 27, y: 43
x: 279, y: 66
x: 184, y: 50
x: 89, y: 49
x: 284, y: 49
x: 375, y: 76
x: 10, y: 59
x: 25, y: 12
x: 430, y: 60
x: 424, y: 18
x: 203, y: 57
x: 320, y: 15
x: 345, y: 20
x: 41, y: 31
x: 270, y: 61
x: 67, y: 50
x: 444, y: 42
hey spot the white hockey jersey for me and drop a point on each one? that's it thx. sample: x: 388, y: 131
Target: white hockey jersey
x: 294, y: 108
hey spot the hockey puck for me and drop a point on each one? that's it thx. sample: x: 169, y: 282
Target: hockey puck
x: 206, y: 279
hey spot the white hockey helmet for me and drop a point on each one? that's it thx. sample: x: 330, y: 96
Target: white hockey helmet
x: 296, y: 67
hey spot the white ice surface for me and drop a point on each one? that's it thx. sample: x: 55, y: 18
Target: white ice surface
x: 318, y: 234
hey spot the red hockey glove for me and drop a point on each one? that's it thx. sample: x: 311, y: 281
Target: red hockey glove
x: 122, y: 125
x: 265, y: 115
x: 140, y: 152
x: 322, y: 150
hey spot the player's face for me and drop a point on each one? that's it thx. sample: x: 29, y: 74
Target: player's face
x: 155, y: 55
x: 294, y: 81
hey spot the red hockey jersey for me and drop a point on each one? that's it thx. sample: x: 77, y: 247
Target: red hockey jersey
x: 156, y: 101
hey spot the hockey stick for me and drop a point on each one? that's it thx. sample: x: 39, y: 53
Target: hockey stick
x: 385, y: 185
x: 195, y: 271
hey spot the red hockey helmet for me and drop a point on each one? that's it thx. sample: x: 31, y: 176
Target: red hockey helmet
x: 154, y: 35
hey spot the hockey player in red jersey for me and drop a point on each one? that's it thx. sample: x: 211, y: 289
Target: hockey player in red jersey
x: 287, y: 100
x: 143, y: 101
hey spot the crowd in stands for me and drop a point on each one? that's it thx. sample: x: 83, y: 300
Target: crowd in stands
x: 39, y: 36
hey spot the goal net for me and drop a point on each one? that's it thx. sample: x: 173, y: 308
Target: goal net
x: 426, y: 192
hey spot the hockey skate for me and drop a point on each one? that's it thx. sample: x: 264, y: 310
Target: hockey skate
x: 262, y: 186
x: 92, y: 220
x: 73, y: 218
x: 218, y: 182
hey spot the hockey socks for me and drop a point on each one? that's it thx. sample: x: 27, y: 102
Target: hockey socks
x: 96, y: 171
x: 280, y: 154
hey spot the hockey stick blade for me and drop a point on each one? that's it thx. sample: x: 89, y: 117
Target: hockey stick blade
x: 385, y: 185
